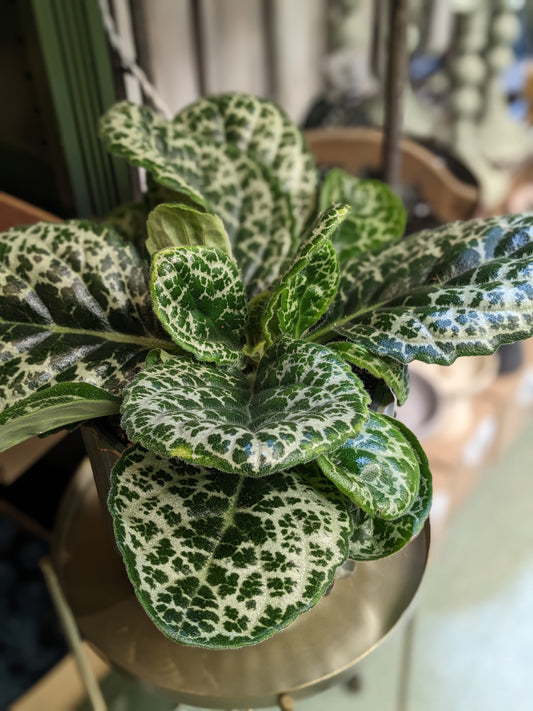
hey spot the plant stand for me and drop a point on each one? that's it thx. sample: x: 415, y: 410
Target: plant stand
x: 319, y: 649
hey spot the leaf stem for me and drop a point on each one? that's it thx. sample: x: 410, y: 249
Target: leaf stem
x: 321, y: 335
x: 115, y: 336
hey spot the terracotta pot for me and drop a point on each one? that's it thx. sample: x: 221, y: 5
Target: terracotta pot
x: 358, y: 150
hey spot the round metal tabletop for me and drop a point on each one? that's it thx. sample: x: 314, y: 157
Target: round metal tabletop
x: 318, y: 649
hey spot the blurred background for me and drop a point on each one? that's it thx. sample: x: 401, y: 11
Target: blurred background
x: 467, y: 150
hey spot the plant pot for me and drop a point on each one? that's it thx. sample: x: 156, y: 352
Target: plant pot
x: 320, y: 648
x: 358, y: 150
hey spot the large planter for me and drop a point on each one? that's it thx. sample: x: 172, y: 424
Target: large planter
x: 320, y: 648
x: 358, y: 150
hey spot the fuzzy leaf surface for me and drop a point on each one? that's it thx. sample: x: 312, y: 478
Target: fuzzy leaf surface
x: 373, y: 537
x: 75, y: 307
x: 307, y: 289
x: 377, y: 217
x: 52, y: 409
x: 220, y: 561
x: 216, y: 177
x: 263, y: 131
x: 304, y: 401
x: 392, y: 372
x: 174, y: 225
x: 200, y: 300
x: 462, y: 289
x: 377, y: 470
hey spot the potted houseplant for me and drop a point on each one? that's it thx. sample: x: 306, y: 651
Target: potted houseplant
x: 242, y: 342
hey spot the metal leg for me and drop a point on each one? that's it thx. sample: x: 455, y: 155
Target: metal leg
x: 72, y: 635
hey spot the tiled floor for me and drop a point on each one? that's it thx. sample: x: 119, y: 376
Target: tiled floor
x: 471, y: 645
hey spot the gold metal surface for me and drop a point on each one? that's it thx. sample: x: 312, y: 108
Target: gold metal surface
x: 316, y: 650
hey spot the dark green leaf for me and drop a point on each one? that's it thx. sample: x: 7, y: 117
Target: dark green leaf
x: 377, y: 217
x: 307, y: 289
x: 462, y: 289
x: 263, y: 131
x: 221, y: 561
x: 378, y: 470
x: 200, y: 300
x: 215, y: 177
x: 75, y: 308
x: 129, y: 221
x: 375, y: 538
x: 304, y: 401
x: 392, y: 372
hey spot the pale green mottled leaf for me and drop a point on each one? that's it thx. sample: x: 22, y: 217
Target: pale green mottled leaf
x: 392, y: 372
x: 377, y: 217
x: 375, y: 538
x: 216, y: 177
x: 175, y: 225
x: 222, y: 561
x: 75, y: 307
x: 307, y: 289
x: 263, y: 130
x: 302, y: 402
x: 200, y: 300
x: 462, y: 289
x: 53, y: 408
x: 378, y: 470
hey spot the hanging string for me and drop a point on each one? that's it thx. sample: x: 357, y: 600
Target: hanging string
x: 128, y: 61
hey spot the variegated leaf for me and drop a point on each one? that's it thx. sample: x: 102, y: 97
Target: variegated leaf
x: 75, y: 307
x: 145, y: 139
x: 129, y: 221
x: 200, y: 300
x: 375, y: 538
x: 377, y: 470
x: 217, y: 177
x: 302, y: 402
x: 463, y: 289
x: 392, y: 372
x: 219, y: 561
x: 53, y: 408
x: 377, y: 217
x: 175, y: 225
x: 307, y: 289
x: 263, y: 130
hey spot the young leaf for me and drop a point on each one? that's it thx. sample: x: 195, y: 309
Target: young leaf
x: 174, y: 225
x: 462, y: 289
x: 220, y: 561
x: 377, y: 470
x: 392, y: 372
x: 377, y: 217
x: 307, y: 289
x: 263, y: 131
x: 304, y: 401
x: 53, y: 408
x: 216, y: 177
x: 75, y: 307
x: 200, y: 301
x: 375, y: 538
x: 255, y: 339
